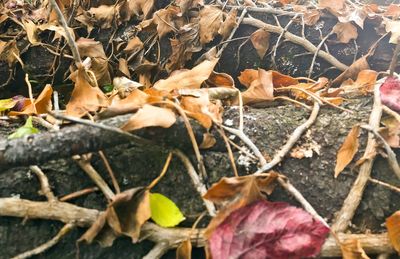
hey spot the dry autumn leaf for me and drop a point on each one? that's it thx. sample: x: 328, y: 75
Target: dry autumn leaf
x: 365, y: 82
x: 347, y: 151
x: 352, y: 249
x: 352, y: 71
x: 99, y: 61
x: 125, y: 215
x: 393, y: 227
x: 261, y: 89
x: 84, y: 97
x: 210, y: 22
x: 150, y: 116
x: 345, y: 32
x: 260, y: 40
x: 42, y: 104
x: 228, y: 25
x: 189, y: 78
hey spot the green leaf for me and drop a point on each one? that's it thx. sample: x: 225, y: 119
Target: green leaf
x: 164, y: 211
x: 6, y: 104
x: 108, y: 88
x: 25, y: 130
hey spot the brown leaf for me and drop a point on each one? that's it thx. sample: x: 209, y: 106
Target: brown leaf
x: 393, y: 227
x: 351, y: 249
x: 356, y: 15
x: 260, y: 90
x: 393, y: 10
x: 83, y: 17
x: 202, y: 109
x: 237, y: 192
x: 333, y: 6
x: 352, y: 71
x: 104, y: 15
x: 167, y: 20
x: 347, y: 151
x: 150, y: 116
x: 184, y: 250
x: 260, y: 40
x: 345, y: 32
x: 9, y: 52
x: 136, y: 7
x: 99, y: 65
x: 42, y: 103
x: 188, y: 79
x: 31, y: 32
x: 123, y: 67
x: 84, y: 97
x: 365, y: 82
x: 210, y: 22
x: 220, y: 80
x: 134, y: 45
x: 228, y: 25
x: 311, y: 17
x: 125, y: 215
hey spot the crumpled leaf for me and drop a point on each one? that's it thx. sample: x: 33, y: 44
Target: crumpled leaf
x: 166, y: 21
x: 104, y: 15
x: 260, y: 90
x: 260, y: 40
x: 42, y: 104
x: 356, y: 15
x: 99, y: 62
x: 150, y: 116
x: 336, y: 7
x: 164, y: 211
x: 208, y: 141
x: 188, y: 78
x: 136, y: 7
x: 268, y: 230
x: 125, y: 215
x: 347, y: 151
x: 311, y: 17
x: 352, y: 249
x: 210, y: 22
x: 228, y: 25
x: 345, y: 32
x: 393, y: 10
x: 9, y: 52
x: 25, y: 130
x: 393, y: 227
x: 84, y: 97
x: 365, y: 82
x: 236, y: 192
x: 390, y: 93
x: 134, y: 45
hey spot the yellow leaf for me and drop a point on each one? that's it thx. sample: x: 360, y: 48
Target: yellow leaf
x: 351, y: 249
x: 347, y: 151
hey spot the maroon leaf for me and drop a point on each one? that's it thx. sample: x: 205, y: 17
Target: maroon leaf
x: 390, y: 93
x: 268, y: 230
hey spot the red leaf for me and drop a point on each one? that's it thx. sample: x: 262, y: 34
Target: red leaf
x: 268, y: 230
x: 390, y: 93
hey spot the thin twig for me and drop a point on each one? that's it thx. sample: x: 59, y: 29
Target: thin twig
x: 158, y: 250
x: 30, y: 92
x: 70, y: 40
x: 244, y: 12
x: 110, y: 171
x: 297, y: 40
x: 353, y: 199
x: 284, y: 182
x: 391, y: 156
x: 392, y: 113
x: 196, y: 179
x: 395, y: 57
x: 297, y: 133
x: 389, y: 186
x: 163, y: 172
x: 44, y: 183
x: 134, y: 138
x: 52, y: 242
x: 316, y: 53
x: 95, y: 176
x: 229, y: 149
x: 78, y: 194
x: 243, y: 137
